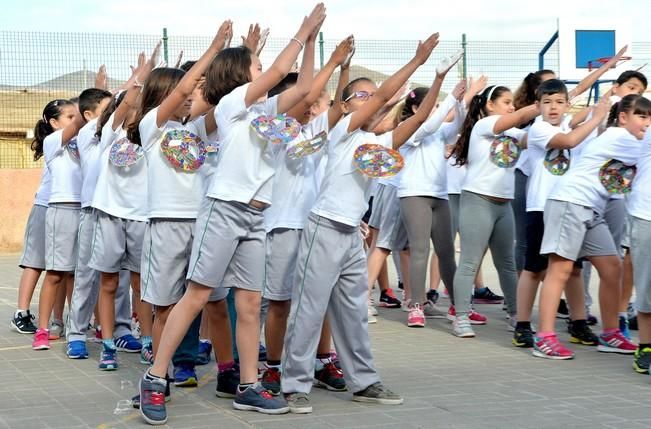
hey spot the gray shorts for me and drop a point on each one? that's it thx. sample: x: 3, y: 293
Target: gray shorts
x: 230, y: 246
x: 117, y: 244
x: 641, y: 257
x: 626, y: 237
x: 61, y: 228
x: 34, y: 244
x: 281, y: 252
x: 386, y: 218
x: 573, y: 231
x: 165, y: 256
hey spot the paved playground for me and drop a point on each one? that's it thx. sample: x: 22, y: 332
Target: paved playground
x: 446, y: 382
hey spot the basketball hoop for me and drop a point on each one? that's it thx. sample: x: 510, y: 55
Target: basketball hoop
x: 603, y: 60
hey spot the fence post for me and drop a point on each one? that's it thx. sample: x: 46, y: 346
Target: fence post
x: 165, y: 51
x: 464, y: 43
x: 321, y: 55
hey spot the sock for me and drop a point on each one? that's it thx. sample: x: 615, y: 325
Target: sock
x: 149, y: 376
x: 204, y: 340
x: 480, y: 289
x: 243, y: 386
x: 643, y: 346
x: 322, y: 360
x: 609, y: 331
x: 109, y: 344
x: 273, y: 364
x: 145, y: 340
x: 523, y: 325
x: 623, y: 314
x: 546, y: 334
x: 20, y: 312
x: 221, y: 367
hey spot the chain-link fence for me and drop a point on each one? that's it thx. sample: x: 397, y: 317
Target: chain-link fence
x: 38, y: 67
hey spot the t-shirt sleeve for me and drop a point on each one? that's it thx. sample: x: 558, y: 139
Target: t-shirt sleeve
x: 317, y: 125
x: 340, y: 131
x: 149, y: 132
x: 233, y: 105
x: 433, y: 123
x: 108, y: 134
x: 540, y: 134
x: 484, y: 127
x: 386, y: 140
x: 52, y: 146
x: 271, y: 105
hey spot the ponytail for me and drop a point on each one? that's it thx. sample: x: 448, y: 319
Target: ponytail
x: 612, y: 116
x: 43, y: 128
x: 635, y: 103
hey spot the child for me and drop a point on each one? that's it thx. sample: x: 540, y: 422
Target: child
x: 62, y: 217
x: 549, y: 142
x: 490, y: 147
x: 56, y: 115
x: 574, y: 225
x: 229, y: 250
x: 331, y: 262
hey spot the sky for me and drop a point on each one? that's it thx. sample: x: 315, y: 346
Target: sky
x: 367, y: 19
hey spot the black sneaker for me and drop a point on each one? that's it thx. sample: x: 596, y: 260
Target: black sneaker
x: 152, y: 399
x: 632, y: 323
x: 486, y: 296
x: 388, y: 299
x: 642, y: 360
x: 563, y: 312
x: 378, y: 394
x: 523, y: 337
x: 580, y: 333
x: 433, y: 296
x: 23, y: 323
x: 330, y: 377
x: 227, y: 382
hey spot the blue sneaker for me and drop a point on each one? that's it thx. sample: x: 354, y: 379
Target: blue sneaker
x: 185, y: 376
x: 623, y: 327
x: 203, y: 356
x: 108, y: 359
x: 152, y: 399
x: 256, y: 398
x: 77, y: 350
x: 128, y: 343
x: 147, y: 354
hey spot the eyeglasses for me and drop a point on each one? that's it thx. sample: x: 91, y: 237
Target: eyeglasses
x: 362, y: 95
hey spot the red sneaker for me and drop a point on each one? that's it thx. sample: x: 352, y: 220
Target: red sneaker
x: 474, y: 317
x: 416, y: 317
x: 550, y: 348
x: 41, y: 340
x: 615, y: 342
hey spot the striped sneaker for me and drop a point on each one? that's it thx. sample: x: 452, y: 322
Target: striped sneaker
x: 415, y: 317
x: 615, y: 342
x: 550, y: 348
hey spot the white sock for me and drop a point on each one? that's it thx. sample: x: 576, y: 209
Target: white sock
x: 18, y: 311
x: 623, y: 314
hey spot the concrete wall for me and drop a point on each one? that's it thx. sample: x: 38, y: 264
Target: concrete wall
x: 17, y: 189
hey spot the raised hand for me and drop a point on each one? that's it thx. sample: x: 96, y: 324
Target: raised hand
x: 344, y: 51
x: 224, y: 34
x: 425, y: 48
x: 477, y: 85
x: 311, y: 21
x: 315, y: 32
x: 459, y: 90
x: 446, y: 64
x: 263, y: 41
x: 179, y: 59
x: 101, y: 79
x: 602, y: 108
x: 155, y: 55
x: 252, y: 38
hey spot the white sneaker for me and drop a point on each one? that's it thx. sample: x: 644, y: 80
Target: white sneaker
x: 462, y: 328
x: 405, y: 305
x: 433, y: 311
x: 371, y: 316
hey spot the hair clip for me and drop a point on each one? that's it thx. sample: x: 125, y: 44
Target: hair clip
x: 412, y: 94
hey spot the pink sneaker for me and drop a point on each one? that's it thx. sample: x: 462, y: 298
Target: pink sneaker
x: 41, y: 340
x: 550, y: 348
x: 474, y: 317
x: 615, y: 342
x: 416, y: 317
x: 98, y: 334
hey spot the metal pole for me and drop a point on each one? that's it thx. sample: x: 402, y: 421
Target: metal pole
x: 464, y: 43
x: 165, y: 51
x: 321, y: 55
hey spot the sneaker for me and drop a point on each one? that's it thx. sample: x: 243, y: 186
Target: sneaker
x: 271, y: 380
x: 416, y: 317
x: 203, y: 355
x: 563, y: 312
x: 147, y: 354
x: 582, y: 334
x: 299, y: 403
x: 433, y: 311
x: 642, y: 360
x: 615, y: 343
x: 135, y: 326
x: 388, y: 299
x: 433, y: 296
x: 108, y: 359
x: 330, y: 377
x: 98, y: 335
x: 77, y: 350
x: 523, y: 337
x: 623, y: 327
x: 551, y: 348
x: 462, y: 327
x: 184, y: 375
x: 227, y: 382
x: 406, y: 303
x: 262, y: 353
x: 152, y: 400
x: 632, y: 323
x: 486, y: 296
x: 378, y: 394
x: 474, y: 317
x: 371, y: 307
x: 401, y: 285
x: 23, y: 322
x: 128, y: 343
x: 41, y: 340
x: 56, y: 330
x: 372, y: 312
x: 592, y: 320
x: 256, y: 398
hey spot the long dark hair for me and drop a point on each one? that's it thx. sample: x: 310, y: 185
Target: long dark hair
x: 228, y: 70
x: 108, y: 111
x: 42, y: 129
x: 414, y: 98
x: 635, y: 103
x: 525, y: 95
x: 160, y: 83
x: 476, y: 111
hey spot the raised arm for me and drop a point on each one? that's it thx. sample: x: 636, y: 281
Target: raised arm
x: 587, y: 82
x: 336, y: 112
x: 508, y: 121
x: 436, y: 119
x: 285, y: 60
x: 101, y: 81
x: 474, y: 88
x: 577, y: 135
x: 391, y: 85
x: 140, y: 73
x: 192, y: 77
x: 72, y: 129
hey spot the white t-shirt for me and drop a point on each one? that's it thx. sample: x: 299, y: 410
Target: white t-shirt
x: 44, y: 189
x: 64, y: 168
x: 210, y: 166
x: 246, y: 162
x: 582, y: 185
x: 547, y: 165
x: 489, y: 166
x: 120, y: 191
x: 425, y: 171
x: 456, y: 175
x: 639, y: 201
x: 295, y: 183
x: 171, y: 193
x: 89, y: 152
x: 344, y: 193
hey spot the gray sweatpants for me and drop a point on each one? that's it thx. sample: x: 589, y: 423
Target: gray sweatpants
x: 454, y: 202
x: 428, y: 218
x: 331, y: 275
x: 86, y: 288
x: 485, y: 224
